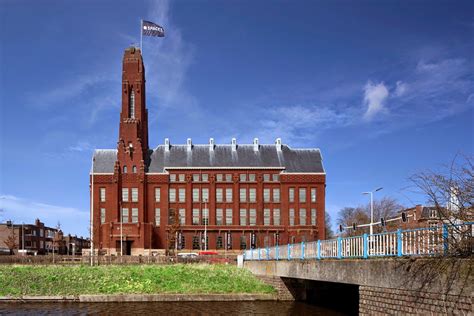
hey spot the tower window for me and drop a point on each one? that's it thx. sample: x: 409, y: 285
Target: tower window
x: 134, y: 169
x: 124, y: 169
x: 132, y: 104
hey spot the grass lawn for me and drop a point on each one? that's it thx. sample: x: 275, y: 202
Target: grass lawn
x: 17, y: 280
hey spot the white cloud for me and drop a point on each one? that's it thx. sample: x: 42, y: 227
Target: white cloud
x: 24, y: 210
x: 400, y: 89
x: 81, y: 146
x: 374, y: 98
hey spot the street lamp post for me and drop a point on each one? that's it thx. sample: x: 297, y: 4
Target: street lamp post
x: 205, y: 224
x: 121, y: 233
x: 92, y: 212
x: 372, y: 208
x: 23, y: 237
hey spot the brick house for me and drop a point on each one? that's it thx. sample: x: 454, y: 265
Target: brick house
x: 241, y: 195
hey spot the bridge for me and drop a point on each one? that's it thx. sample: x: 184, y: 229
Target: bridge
x: 404, y: 271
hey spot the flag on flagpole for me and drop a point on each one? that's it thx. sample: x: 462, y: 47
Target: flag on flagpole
x: 152, y: 29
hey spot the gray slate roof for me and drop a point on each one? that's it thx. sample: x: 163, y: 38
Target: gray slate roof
x: 293, y: 160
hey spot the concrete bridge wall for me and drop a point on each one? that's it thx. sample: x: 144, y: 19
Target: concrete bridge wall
x: 386, y: 285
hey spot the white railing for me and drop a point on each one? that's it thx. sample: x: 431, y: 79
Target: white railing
x: 432, y: 241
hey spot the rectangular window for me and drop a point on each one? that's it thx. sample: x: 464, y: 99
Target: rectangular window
x: 243, y: 195
x: 252, y: 177
x: 313, y: 195
x: 125, y: 215
x: 125, y: 194
x: 243, y: 177
x: 228, y: 178
x: 276, y: 216
x: 182, y: 216
x: 228, y: 194
x: 253, y: 195
x: 275, y: 177
x: 302, y: 193
x: 313, y: 216
x: 102, y: 215
x: 219, y: 193
x: 253, y: 217
x: 219, y: 216
x: 219, y: 244
x: 205, y: 216
x: 205, y: 177
x: 276, y: 195
x: 172, y: 177
x: 134, y: 194
x: 302, y: 216
x: 266, y: 177
x: 266, y: 195
x: 292, y: 217
x: 157, y: 216
x: 195, y: 177
x: 196, y: 244
x: 134, y: 215
x: 266, y: 216
x: 195, y: 195
x: 182, y: 194
x: 172, y: 196
x: 181, y: 177
x: 291, y: 194
x: 228, y: 216
x: 243, y: 217
x: 205, y: 195
x: 243, y: 242
x: 219, y: 177
x: 102, y: 194
x: 157, y: 194
x: 195, y: 216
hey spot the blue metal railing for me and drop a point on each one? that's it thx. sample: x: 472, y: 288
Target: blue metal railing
x: 429, y: 241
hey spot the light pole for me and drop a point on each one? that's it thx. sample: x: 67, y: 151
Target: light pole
x: 23, y: 237
x: 372, y: 208
x: 205, y: 224
x: 92, y: 211
x: 121, y: 232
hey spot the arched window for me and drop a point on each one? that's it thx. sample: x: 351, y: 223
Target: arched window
x: 134, y: 169
x: 132, y: 104
x: 124, y: 169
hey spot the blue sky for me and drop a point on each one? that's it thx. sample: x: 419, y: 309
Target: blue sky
x: 383, y: 88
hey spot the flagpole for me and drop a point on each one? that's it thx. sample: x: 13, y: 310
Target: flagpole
x: 141, y: 35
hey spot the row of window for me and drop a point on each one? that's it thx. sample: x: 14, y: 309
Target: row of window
x: 243, y: 177
x: 199, y: 242
x: 246, y: 195
x: 224, y: 216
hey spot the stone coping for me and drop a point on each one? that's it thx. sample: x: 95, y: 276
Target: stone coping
x: 97, y: 298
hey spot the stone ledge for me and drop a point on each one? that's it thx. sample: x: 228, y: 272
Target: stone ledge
x: 145, y: 298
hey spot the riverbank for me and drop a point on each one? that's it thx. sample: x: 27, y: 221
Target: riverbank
x: 74, y: 282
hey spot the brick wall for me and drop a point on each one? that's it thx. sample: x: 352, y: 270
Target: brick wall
x: 283, y: 293
x: 377, y: 300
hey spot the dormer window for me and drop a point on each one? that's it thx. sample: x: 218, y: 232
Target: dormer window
x: 132, y: 104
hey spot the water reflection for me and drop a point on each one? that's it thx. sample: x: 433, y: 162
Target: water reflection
x: 168, y: 308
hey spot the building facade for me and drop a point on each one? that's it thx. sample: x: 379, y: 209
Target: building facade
x: 36, y: 239
x: 238, y: 196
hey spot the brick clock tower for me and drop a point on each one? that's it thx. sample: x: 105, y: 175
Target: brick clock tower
x: 229, y: 197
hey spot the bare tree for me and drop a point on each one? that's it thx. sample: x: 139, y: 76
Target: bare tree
x: 329, y: 233
x: 175, y: 226
x: 450, y: 191
x: 10, y: 242
x: 386, y: 207
x: 350, y: 215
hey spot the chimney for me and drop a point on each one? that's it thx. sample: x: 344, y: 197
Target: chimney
x: 278, y: 144
x: 189, y: 144
x: 255, y: 144
x: 211, y: 144
x: 234, y: 144
x: 167, y: 144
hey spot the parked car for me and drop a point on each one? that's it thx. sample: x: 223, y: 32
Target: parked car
x: 187, y: 255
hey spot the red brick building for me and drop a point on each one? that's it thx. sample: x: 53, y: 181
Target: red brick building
x: 255, y: 194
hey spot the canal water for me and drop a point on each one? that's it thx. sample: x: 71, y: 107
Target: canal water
x: 166, y: 308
